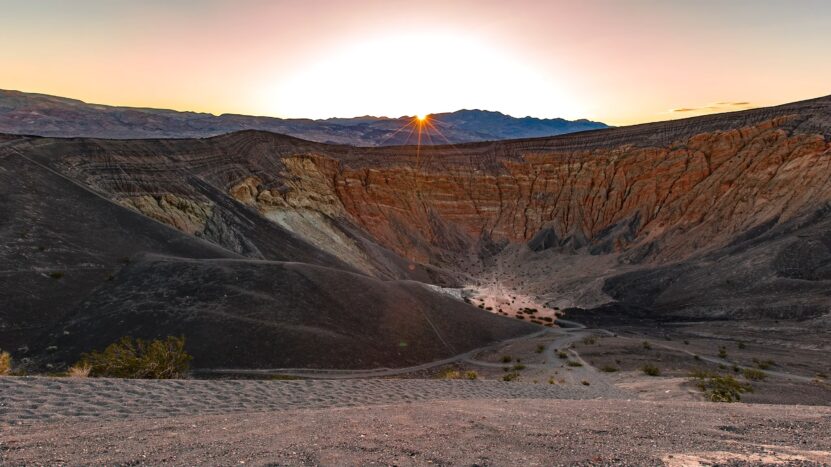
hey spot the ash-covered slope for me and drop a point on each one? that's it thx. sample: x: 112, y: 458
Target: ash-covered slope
x: 38, y: 114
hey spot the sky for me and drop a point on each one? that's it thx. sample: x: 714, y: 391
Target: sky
x: 616, y: 61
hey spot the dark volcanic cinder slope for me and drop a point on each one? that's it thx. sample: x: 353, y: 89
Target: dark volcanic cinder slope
x: 257, y: 314
x: 721, y: 216
x: 81, y: 271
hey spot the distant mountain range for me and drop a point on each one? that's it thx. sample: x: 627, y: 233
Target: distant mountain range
x: 44, y: 115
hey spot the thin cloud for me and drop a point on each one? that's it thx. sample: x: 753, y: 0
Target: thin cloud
x: 712, y: 107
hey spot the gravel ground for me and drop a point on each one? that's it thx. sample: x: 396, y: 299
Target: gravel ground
x: 38, y: 399
x: 454, y: 432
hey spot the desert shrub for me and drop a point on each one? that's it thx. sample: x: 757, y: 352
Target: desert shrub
x: 822, y: 375
x: 540, y: 348
x: 471, y: 375
x: 686, y: 342
x: 647, y: 345
x: 56, y: 275
x: 551, y: 380
x: 608, y: 369
x: 589, y: 340
x: 510, y: 376
x: 574, y: 363
x: 518, y: 367
x: 519, y: 317
x: 753, y: 374
x: 284, y: 377
x: 742, y: 345
x: 79, y: 370
x: 718, y: 388
x: 562, y: 354
x: 137, y: 358
x: 450, y: 373
x: 585, y: 383
x: 722, y: 352
x: 5, y: 363
x: 506, y: 359
x: 763, y: 364
x: 651, y: 370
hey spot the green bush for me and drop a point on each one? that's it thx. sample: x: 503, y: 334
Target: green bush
x: 753, y: 374
x: 651, y: 370
x: 471, y: 375
x: 763, y: 364
x: 5, y: 363
x: 718, y: 388
x: 450, y: 373
x: 137, y: 358
x: 510, y: 376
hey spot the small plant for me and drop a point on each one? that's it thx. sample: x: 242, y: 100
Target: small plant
x: 5, y: 363
x: 510, y: 376
x: 742, y: 345
x: 540, y: 348
x: 284, y: 377
x: 574, y: 363
x: 562, y: 354
x: 686, y: 342
x: 697, y: 358
x: 608, y: 369
x: 763, y: 364
x: 506, y: 359
x: 718, y: 388
x: 79, y: 370
x: 56, y: 275
x: 822, y: 375
x: 450, y: 373
x: 722, y: 352
x: 754, y: 374
x: 551, y: 380
x: 471, y: 375
x: 585, y: 383
x: 137, y: 358
x: 518, y: 367
x: 647, y: 345
x: 651, y: 370
x: 589, y: 340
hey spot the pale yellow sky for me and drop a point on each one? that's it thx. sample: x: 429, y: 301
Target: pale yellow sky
x: 619, y: 62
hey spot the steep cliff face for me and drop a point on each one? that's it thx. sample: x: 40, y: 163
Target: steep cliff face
x: 649, y: 203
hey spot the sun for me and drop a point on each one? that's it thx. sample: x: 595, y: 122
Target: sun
x: 421, y: 117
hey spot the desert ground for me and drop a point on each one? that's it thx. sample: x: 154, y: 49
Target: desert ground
x: 554, y: 408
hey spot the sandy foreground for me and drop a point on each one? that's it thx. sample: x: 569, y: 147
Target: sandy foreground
x: 396, y: 422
